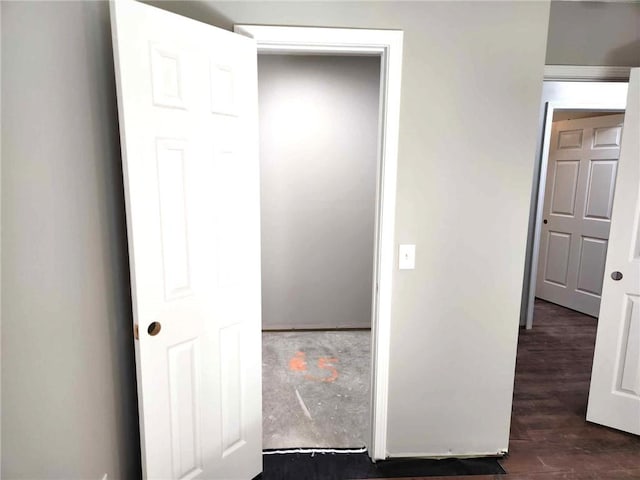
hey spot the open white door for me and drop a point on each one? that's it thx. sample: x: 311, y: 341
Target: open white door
x: 581, y: 174
x: 614, y: 397
x: 187, y: 98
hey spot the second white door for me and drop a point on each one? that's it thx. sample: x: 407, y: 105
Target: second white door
x: 581, y: 174
x: 614, y: 396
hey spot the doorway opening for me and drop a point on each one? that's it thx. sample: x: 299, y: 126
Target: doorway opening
x: 387, y: 46
x: 563, y: 100
x: 555, y: 358
x: 319, y: 142
x: 579, y: 146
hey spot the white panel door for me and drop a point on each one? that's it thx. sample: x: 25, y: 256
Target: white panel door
x: 614, y: 397
x: 581, y: 174
x: 188, y: 121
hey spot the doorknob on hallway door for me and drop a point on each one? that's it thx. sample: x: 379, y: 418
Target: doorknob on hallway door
x: 544, y: 221
x: 617, y: 275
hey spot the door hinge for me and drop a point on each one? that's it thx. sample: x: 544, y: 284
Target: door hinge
x: 136, y: 333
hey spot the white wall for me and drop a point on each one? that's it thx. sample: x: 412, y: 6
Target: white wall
x: 318, y: 154
x: 68, y: 392
x: 594, y: 33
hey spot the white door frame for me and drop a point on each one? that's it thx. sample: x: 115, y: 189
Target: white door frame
x: 608, y: 85
x: 586, y: 73
x: 387, y: 44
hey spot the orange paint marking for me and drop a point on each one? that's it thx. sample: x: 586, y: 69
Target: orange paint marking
x: 298, y: 362
x: 326, y: 364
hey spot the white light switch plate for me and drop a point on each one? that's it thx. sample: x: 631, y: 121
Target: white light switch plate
x: 407, y: 257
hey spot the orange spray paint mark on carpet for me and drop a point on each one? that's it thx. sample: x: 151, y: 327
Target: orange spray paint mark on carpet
x: 298, y: 362
x: 326, y: 364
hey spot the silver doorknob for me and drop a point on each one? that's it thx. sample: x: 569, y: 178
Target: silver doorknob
x: 617, y: 275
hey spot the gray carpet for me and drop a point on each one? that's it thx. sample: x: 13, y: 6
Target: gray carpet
x: 316, y: 389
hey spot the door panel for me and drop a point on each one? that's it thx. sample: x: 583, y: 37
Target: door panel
x: 583, y: 159
x: 188, y: 120
x: 593, y: 253
x: 565, y: 184
x: 170, y: 156
x: 607, y: 137
x: 630, y: 354
x: 183, y: 360
x: 558, y: 247
x: 570, y: 139
x: 614, y: 396
x: 602, y: 180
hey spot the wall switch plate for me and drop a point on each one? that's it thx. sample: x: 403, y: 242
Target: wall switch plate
x: 407, y: 257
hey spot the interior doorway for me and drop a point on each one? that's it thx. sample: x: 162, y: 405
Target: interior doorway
x: 558, y: 379
x: 581, y: 151
x: 578, y: 160
x: 387, y: 46
x: 558, y: 96
x: 319, y: 119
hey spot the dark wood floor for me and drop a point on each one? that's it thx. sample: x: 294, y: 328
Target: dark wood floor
x: 550, y: 438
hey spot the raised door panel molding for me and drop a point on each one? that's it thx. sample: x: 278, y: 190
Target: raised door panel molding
x: 232, y: 240
x: 558, y: 249
x: 607, y: 137
x: 184, y: 386
x: 565, y: 184
x: 222, y: 89
x: 593, y: 252
x: 166, y: 77
x: 231, y: 392
x: 171, y: 164
x: 629, y: 365
x: 569, y: 139
x: 600, y: 189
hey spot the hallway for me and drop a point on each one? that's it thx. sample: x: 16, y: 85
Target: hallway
x: 550, y: 438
